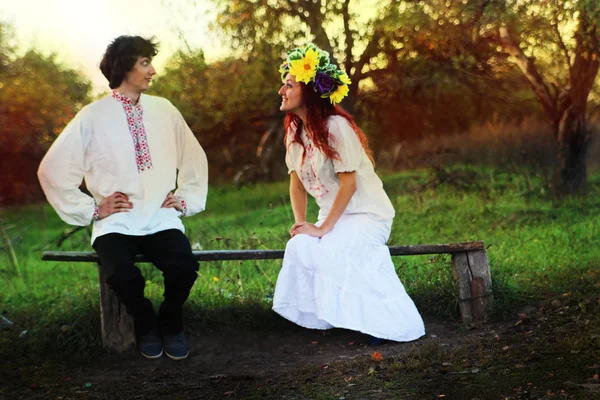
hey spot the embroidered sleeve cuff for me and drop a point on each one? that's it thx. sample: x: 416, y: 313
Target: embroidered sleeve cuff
x: 96, y: 213
x: 184, y: 205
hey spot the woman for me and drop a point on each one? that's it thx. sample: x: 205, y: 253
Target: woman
x: 337, y: 272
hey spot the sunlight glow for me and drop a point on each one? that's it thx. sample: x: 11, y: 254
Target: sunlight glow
x: 78, y: 31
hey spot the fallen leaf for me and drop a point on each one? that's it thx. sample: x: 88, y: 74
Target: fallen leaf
x: 505, y: 348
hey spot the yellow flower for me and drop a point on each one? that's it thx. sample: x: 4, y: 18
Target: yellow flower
x: 344, y: 78
x: 339, y: 94
x: 305, y: 68
x: 215, y: 278
x: 283, y: 68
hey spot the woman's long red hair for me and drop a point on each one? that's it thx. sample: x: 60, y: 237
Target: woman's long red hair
x: 317, y: 111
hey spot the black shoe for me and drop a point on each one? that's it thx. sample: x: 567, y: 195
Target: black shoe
x: 150, y: 345
x: 176, y: 346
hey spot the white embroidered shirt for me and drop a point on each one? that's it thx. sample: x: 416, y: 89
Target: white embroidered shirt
x: 144, y: 154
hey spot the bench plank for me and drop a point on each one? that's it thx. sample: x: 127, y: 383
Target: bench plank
x: 230, y: 255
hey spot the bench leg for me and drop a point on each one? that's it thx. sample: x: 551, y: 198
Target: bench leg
x: 116, y: 324
x: 472, y: 270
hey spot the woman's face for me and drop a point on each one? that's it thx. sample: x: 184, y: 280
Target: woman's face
x: 291, y: 95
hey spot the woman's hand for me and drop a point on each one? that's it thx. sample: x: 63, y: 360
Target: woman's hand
x: 307, y: 229
x: 295, y: 226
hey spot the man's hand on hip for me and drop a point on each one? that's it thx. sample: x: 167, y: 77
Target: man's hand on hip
x: 172, y: 202
x: 115, y: 203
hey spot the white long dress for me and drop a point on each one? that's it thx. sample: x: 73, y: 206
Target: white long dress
x: 346, y: 279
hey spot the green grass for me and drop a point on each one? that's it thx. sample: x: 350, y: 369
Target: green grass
x: 536, y: 247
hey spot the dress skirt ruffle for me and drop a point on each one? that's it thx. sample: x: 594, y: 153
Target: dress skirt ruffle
x: 346, y: 280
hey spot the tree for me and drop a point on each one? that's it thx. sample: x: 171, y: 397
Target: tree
x: 227, y: 104
x: 331, y: 24
x: 437, y: 75
x: 417, y: 67
x: 7, y: 48
x: 38, y: 97
x: 555, y: 44
x: 435, y: 66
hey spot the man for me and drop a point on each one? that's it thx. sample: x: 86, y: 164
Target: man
x: 133, y: 149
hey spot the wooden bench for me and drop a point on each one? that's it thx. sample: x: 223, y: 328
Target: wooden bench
x: 469, y: 263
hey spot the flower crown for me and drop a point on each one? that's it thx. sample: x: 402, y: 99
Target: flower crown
x: 311, y: 64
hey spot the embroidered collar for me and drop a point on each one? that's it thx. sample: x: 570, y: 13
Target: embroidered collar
x: 124, y: 99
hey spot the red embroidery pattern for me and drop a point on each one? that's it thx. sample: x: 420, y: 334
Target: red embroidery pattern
x: 137, y: 131
x: 184, y: 205
x: 96, y: 215
x: 310, y: 179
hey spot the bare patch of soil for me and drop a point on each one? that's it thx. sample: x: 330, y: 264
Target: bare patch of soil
x: 550, y: 353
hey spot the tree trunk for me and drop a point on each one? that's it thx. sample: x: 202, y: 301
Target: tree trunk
x: 570, y: 174
x: 566, y: 108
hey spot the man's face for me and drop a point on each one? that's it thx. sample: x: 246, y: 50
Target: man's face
x: 141, y: 74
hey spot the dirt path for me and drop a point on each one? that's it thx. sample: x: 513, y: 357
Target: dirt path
x: 536, y: 357
x: 216, y: 358
x: 261, y: 354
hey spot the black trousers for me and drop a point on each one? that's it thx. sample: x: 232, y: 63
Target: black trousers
x: 170, y: 252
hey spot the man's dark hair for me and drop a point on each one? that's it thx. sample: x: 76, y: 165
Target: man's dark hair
x: 122, y: 54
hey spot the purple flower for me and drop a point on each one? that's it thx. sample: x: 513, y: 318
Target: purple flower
x: 324, y: 83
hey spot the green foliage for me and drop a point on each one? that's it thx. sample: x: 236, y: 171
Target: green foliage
x: 38, y: 97
x: 436, y: 66
x: 548, y: 31
x: 430, y: 67
x: 440, y: 94
x: 227, y: 105
x: 7, y: 47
